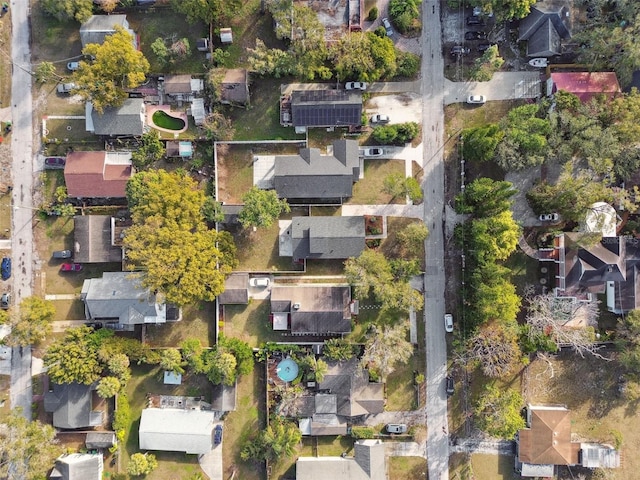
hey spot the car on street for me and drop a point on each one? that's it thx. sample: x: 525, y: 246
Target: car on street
x: 65, y: 87
x: 5, y: 300
x: 475, y: 21
x: 73, y: 66
x: 379, y: 118
x: 5, y: 268
x: 396, y: 428
x: 448, y: 322
x: 55, y: 162
x: 449, y: 387
x: 373, y: 152
x: 387, y: 26
x: 458, y: 50
x: 476, y: 99
x: 58, y: 254
x: 217, y: 436
x: 70, y: 267
x: 483, y: 47
x: 475, y: 35
x: 260, y: 282
x: 355, y: 86
x: 549, y: 217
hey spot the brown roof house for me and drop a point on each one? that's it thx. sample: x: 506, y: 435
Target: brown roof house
x: 546, y: 442
x: 97, y: 174
x: 94, y: 240
x: 182, y: 87
x: 311, y: 309
x: 368, y: 463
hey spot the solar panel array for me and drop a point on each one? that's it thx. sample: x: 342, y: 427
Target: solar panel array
x: 326, y: 108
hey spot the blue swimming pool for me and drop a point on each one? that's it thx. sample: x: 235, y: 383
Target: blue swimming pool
x: 287, y: 370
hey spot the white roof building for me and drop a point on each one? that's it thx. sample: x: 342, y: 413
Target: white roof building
x: 177, y: 430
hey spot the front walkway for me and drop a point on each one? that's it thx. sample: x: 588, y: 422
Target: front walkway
x: 389, y: 210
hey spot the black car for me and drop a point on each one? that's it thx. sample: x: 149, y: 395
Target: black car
x: 54, y: 162
x: 475, y: 36
x: 6, y: 268
x: 449, y: 386
x: 457, y: 50
x: 484, y: 46
x: 475, y: 21
x: 217, y: 437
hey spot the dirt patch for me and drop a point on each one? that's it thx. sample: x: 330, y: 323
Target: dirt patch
x: 405, y: 107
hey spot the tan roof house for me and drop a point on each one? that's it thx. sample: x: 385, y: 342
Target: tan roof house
x: 367, y: 463
x: 97, y: 174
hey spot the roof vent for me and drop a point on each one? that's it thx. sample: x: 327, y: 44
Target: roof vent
x: 296, y: 306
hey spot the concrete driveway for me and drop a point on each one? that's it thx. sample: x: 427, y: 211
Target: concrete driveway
x: 503, y: 86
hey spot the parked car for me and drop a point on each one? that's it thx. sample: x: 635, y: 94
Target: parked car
x: 458, y: 50
x: 475, y: 35
x: 483, y: 47
x: 5, y: 301
x: 217, y: 436
x: 448, y: 322
x: 59, y: 254
x: 379, y: 118
x: 261, y: 282
x: 475, y: 21
x: 549, y: 217
x: 6, y: 268
x: 55, y: 162
x: 373, y: 152
x: 70, y: 267
x: 387, y: 26
x: 477, y: 11
x: 396, y: 428
x: 65, y: 87
x: 449, y: 387
x: 476, y: 99
x: 355, y: 86
x: 73, y: 66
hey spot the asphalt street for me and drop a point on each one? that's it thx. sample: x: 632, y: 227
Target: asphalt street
x: 434, y: 279
x: 22, y: 195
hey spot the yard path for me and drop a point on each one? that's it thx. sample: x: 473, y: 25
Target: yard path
x: 389, y: 210
x: 468, y: 445
x: 406, y: 449
x: 61, y: 326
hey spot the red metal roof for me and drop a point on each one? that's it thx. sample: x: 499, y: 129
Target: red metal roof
x: 89, y: 175
x: 586, y: 85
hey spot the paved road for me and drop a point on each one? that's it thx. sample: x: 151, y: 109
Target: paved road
x: 434, y: 279
x: 22, y: 179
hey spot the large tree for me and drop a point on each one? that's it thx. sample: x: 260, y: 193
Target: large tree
x: 480, y: 143
x: 170, y: 241
x: 493, y: 296
x: 261, y: 208
x: 116, y: 65
x: 73, y: 358
x: 27, y: 449
x: 495, y: 237
x: 498, y: 412
x: 151, y: 150
x: 33, y: 324
x: 628, y: 342
x: 489, y: 63
x: 363, y: 56
x: 208, y: 11
x: 277, y: 441
x: 525, y: 140
x: 494, y: 347
x: 485, y: 197
x: 385, y: 347
x: 78, y: 10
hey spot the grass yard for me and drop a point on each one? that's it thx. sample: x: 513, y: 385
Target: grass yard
x: 5, y: 403
x: 368, y: 191
x: 325, y: 267
x: 198, y: 321
x: 61, y: 134
x: 5, y: 215
x: 5, y: 64
x: 69, y: 310
x: 250, y: 323
x: 492, y: 467
x: 407, y: 468
x: 56, y: 41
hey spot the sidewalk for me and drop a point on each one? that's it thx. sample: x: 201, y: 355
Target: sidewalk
x: 389, y: 210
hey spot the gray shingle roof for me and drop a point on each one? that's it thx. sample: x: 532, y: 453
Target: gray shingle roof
x: 177, y: 430
x: 100, y: 439
x: 545, y: 27
x: 368, y: 463
x: 235, y: 290
x: 92, y: 240
x: 71, y: 405
x: 224, y: 397
x: 78, y: 466
x: 126, y: 120
x: 327, y: 237
x: 98, y: 27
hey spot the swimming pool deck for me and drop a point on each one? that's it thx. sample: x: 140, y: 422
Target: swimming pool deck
x: 151, y: 109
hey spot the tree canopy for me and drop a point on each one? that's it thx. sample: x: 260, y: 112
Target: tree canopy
x: 385, y: 347
x: 498, y: 412
x: 480, y: 143
x: 116, y: 65
x: 494, y: 347
x: 151, y: 150
x: 277, y: 441
x: 33, y: 324
x: 485, y: 197
x: 489, y: 63
x: 261, y: 208
x: 78, y: 10
x: 209, y: 11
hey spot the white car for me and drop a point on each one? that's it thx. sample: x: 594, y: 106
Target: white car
x: 387, y: 26
x: 396, y: 428
x: 379, y: 118
x: 261, y: 282
x: 355, y: 86
x: 476, y: 99
x: 65, y: 87
x: 549, y: 217
x: 73, y: 66
x: 373, y: 152
x: 448, y: 322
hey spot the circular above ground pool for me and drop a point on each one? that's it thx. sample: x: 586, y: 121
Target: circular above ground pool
x: 287, y: 370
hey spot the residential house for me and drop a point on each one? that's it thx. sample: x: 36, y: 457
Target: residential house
x: 98, y: 27
x: 546, y: 27
x: 177, y: 430
x: 584, y: 85
x: 321, y: 108
x: 72, y: 406
x: 182, y: 88
x: 311, y: 309
x: 546, y: 442
x: 78, y: 466
x: 93, y: 239
x: 312, y: 177
x: 610, y: 265
x: 368, y: 463
x: 100, y: 440
x: 236, y: 290
x: 322, y: 238
x: 234, y: 89
x: 119, y: 298
x: 98, y: 174
x: 127, y: 120
x: 224, y: 397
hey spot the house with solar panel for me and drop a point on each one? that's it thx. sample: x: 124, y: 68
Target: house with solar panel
x: 303, y: 109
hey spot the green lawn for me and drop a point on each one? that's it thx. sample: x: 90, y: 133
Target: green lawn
x: 368, y: 191
x: 407, y: 468
x: 5, y: 216
x: 198, y: 321
x: 250, y: 323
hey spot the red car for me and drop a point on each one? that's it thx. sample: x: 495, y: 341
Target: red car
x: 70, y: 267
x: 55, y: 162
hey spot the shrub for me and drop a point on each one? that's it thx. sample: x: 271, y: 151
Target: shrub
x: 122, y: 415
x: 407, y: 64
x: 396, y: 134
x: 363, y: 432
x: 373, y: 14
x: 405, y: 14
